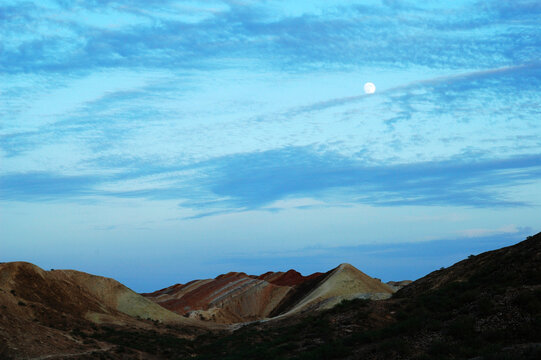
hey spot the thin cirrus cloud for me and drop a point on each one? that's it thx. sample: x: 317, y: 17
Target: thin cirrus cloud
x: 252, y: 181
x: 390, y: 34
x: 370, y: 34
x: 506, y: 92
x: 120, y: 115
x: 256, y: 180
x: 43, y: 186
x: 513, y: 81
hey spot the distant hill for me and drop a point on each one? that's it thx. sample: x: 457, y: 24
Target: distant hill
x: 238, y: 297
x: 485, y: 307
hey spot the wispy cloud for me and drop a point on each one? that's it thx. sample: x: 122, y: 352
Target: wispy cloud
x: 341, y: 37
x: 394, y: 128
x: 508, y: 229
x: 508, y: 79
x: 256, y: 180
x: 228, y: 121
x: 46, y: 187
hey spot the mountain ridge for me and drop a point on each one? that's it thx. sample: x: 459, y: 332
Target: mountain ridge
x: 485, y: 307
x: 236, y: 297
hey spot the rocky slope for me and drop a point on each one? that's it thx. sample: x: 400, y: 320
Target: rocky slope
x: 397, y: 285
x: 342, y: 283
x: 229, y: 298
x: 519, y: 264
x: 485, y: 307
x: 39, y: 309
x: 238, y: 297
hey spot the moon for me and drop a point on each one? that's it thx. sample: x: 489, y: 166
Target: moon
x: 369, y: 88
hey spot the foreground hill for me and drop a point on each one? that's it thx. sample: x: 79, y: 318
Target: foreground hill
x: 485, y: 307
x: 39, y: 309
x: 518, y: 265
x: 71, y: 314
x: 237, y: 297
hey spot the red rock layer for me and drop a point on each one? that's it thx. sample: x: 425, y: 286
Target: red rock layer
x: 289, y: 278
x: 240, y: 297
x: 202, y: 296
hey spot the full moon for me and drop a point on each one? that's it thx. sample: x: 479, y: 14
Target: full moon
x: 369, y: 88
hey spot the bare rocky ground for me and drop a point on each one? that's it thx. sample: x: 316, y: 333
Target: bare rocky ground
x: 238, y: 298
x: 44, y: 314
x: 485, y: 307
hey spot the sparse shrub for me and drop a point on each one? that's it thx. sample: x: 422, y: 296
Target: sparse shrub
x: 462, y: 327
x: 485, y: 305
x: 528, y: 301
x: 394, y: 345
x: 4, y: 351
x: 345, y: 305
x: 440, y: 349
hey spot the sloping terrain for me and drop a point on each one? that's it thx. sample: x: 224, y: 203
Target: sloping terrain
x: 238, y: 297
x: 485, y: 307
x: 39, y: 309
x: 397, y: 285
x: 229, y: 298
x: 288, y: 278
x: 343, y: 283
x: 519, y: 264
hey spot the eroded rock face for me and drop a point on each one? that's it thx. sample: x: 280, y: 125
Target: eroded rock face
x: 288, y: 278
x: 397, y: 285
x: 39, y: 309
x: 75, y: 293
x: 229, y: 298
x: 238, y: 297
x: 342, y: 283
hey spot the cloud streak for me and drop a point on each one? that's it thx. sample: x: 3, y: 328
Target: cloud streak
x: 258, y: 179
x: 254, y: 181
x: 500, y: 50
x: 254, y: 31
x: 42, y: 186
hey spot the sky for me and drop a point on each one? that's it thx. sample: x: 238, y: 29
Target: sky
x: 157, y: 142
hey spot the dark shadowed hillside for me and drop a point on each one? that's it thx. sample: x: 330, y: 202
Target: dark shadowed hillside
x: 517, y: 265
x: 485, y: 307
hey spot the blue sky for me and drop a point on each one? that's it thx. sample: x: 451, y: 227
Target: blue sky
x: 161, y: 141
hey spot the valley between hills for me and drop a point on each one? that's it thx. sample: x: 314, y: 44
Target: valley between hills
x: 485, y: 307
